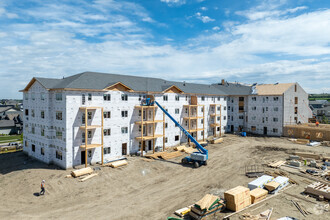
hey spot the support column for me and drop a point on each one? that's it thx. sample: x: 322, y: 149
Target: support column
x: 189, y: 124
x: 86, y: 140
x: 163, y: 131
x: 197, y: 123
x: 203, y: 122
x: 102, y: 133
x: 220, y: 121
x: 153, y: 141
x: 141, y: 131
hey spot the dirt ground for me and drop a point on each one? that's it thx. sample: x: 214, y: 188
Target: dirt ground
x: 147, y: 190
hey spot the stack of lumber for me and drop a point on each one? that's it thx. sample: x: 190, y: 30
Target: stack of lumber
x: 207, y: 205
x: 81, y: 172
x: 237, y: 198
x: 258, y: 195
x: 171, y: 155
x: 265, y: 215
x: 183, y: 212
x: 308, y: 155
x: 271, y: 186
x: 118, y: 163
x: 88, y: 177
x: 217, y: 141
x: 318, y: 189
x: 276, y: 164
x: 155, y: 155
x: 185, y: 149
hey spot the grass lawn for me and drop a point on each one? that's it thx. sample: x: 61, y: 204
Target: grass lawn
x: 9, y: 138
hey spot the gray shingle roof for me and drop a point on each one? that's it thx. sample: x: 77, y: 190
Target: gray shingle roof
x: 7, y: 123
x: 99, y: 81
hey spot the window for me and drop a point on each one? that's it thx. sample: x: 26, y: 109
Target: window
x: 83, y: 118
x: 254, y: 117
x: 32, y: 96
x: 202, y: 133
x: 275, y: 99
x: 228, y: 108
x: 107, y: 97
x: 266, y: 109
x: 225, y: 98
x: 58, y: 115
x: 218, y: 108
x: 296, y: 110
x: 166, y: 139
x: 224, y: 108
x: 186, y: 110
x: 165, y: 97
x: 219, y: 98
x: 266, y: 118
x: 241, y: 117
x: 177, y: 111
x: 296, y: 100
x: 89, y: 134
x: 32, y: 112
x: 224, y: 117
x: 202, y: 109
x: 26, y: 112
x: 107, y: 150
x: 124, y: 114
x: 254, y: 99
x: 275, y: 109
x: 33, y: 147
x: 203, y: 98
x: 59, y: 155
x: 266, y: 98
x: 58, y: 96
x: 107, y: 132
x: 124, y: 130
x: 254, y: 108
x: 253, y: 128
x: 89, y: 96
x: 275, y: 119
x: 59, y: 134
x: 124, y: 97
x: 83, y: 99
x: 166, y: 124
x: 275, y: 130
x: 89, y: 153
x: 202, y: 121
x: 295, y: 88
x: 89, y: 115
x: 42, y: 114
x: 186, y: 123
x: 107, y: 114
x: 176, y: 138
x: 42, y: 96
x: 42, y: 132
x: 83, y: 137
x: 218, y: 118
x: 42, y: 151
x: 32, y: 129
x: 241, y: 108
x: 26, y: 96
x: 177, y: 98
x: 241, y: 99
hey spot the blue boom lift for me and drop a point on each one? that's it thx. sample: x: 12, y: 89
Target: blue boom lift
x: 196, y: 158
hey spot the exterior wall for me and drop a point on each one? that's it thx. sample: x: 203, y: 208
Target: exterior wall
x: 263, y: 114
x: 236, y: 119
x: 304, y: 112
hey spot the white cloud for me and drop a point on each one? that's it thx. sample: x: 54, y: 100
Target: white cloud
x: 174, y: 2
x: 3, y: 12
x: 204, y: 19
x: 216, y: 28
x: 204, y: 8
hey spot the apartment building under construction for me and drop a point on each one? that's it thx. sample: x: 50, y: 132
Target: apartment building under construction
x: 94, y: 117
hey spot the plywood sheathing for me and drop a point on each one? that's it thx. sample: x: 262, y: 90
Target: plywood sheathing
x: 308, y: 131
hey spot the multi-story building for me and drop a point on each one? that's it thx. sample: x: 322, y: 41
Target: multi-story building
x: 95, y: 117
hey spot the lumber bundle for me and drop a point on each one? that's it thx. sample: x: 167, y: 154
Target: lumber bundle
x: 238, y: 198
x: 81, y: 172
x: 185, y: 149
x: 276, y: 164
x: 171, y: 155
x: 217, y: 141
x: 265, y: 215
x: 179, y: 148
x: 155, y: 155
x: 258, y: 194
x: 88, y: 177
x: 118, y: 163
x: 207, y: 205
x: 318, y: 189
x: 308, y: 155
x: 271, y: 186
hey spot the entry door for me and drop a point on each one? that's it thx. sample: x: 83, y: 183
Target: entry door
x: 265, y: 130
x: 124, y: 149
x: 232, y: 128
x: 150, y: 145
x: 83, y: 157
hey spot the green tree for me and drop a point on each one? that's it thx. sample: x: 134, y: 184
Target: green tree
x: 325, y: 120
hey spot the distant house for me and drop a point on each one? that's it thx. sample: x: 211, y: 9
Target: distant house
x: 8, y: 127
x: 322, y: 114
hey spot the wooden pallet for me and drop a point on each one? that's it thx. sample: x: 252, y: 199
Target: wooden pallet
x: 276, y: 164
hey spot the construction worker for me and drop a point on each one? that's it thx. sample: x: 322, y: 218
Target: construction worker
x: 317, y: 123
x: 42, y: 192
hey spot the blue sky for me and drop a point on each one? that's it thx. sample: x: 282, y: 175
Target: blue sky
x: 193, y: 40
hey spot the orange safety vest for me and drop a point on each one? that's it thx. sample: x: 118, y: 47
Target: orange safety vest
x: 42, y: 185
